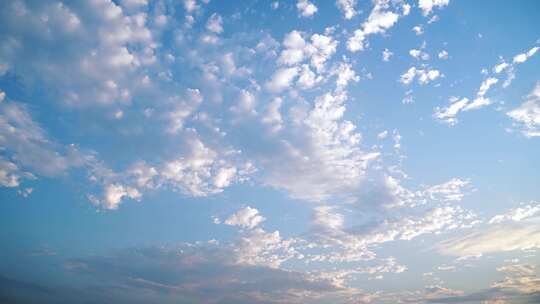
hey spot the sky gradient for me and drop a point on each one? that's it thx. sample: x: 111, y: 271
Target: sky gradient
x: 205, y: 151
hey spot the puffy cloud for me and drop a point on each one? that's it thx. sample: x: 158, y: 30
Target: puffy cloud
x: 418, y: 30
x: 215, y: 23
x: 11, y: 175
x: 185, y: 106
x: 419, y: 54
x: 307, y: 78
x: 321, y: 49
x: 386, y: 55
x: 306, y: 8
x: 329, y: 143
x: 113, y: 196
x: 201, y: 172
x: 191, y: 5
x: 134, y: 4
x: 527, y: 115
x: 443, y: 54
x: 517, y: 214
x: 197, y: 172
x: 424, y: 76
x: 347, y: 7
x: 296, y: 49
x: 246, y: 103
x: 345, y: 74
x: 378, y: 22
x: 272, y: 115
x: 106, y: 62
x: 408, y: 77
x: 246, y: 218
x: 324, y: 217
x: 282, y: 79
x: 427, y: 5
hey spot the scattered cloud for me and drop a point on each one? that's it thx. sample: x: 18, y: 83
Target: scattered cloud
x: 306, y: 8
x: 527, y: 115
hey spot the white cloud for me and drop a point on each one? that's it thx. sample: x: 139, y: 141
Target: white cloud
x: 427, y: 5
x: 500, y: 67
x: 306, y: 8
x: 378, y: 22
x: 246, y: 218
x: 517, y: 214
x: 449, y: 114
x: 480, y: 100
x: 419, y: 54
x: 507, y: 236
x: 408, y: 77
x: 321, y: 49
x: 418, y: 30
x: 347, y: 7
x: 324, y: 217
x: 345, y: 74
x: 406, y: 9
x: 246, y: 103
x: 202, y: 172
x: 307, y: 78
x: 383, y: 134
x: 272, y: 115
x: 521, y: 58
x: 120, y: 49
x: 10, y: 174
x: 184, y: 109
x: 516, y: 229
x: 386, y: 55
x: 527, y: 115
x: 296, y: 49
x: 443, y: 54
x: 424, y: 76
x: 114, y: 194
x: 282, y: 79
x: 510, y: 68
x: 453, y: 190
x: 330, y: 143
x: 215, y: 24
x: 30, y: 148
x: 134, y: 4
x: 519, y: 277
x: 191, y: 5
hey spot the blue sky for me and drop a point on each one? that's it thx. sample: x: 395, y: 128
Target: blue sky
x: 199, y: 151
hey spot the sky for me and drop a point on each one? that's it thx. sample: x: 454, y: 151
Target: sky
x: 206, y: 151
